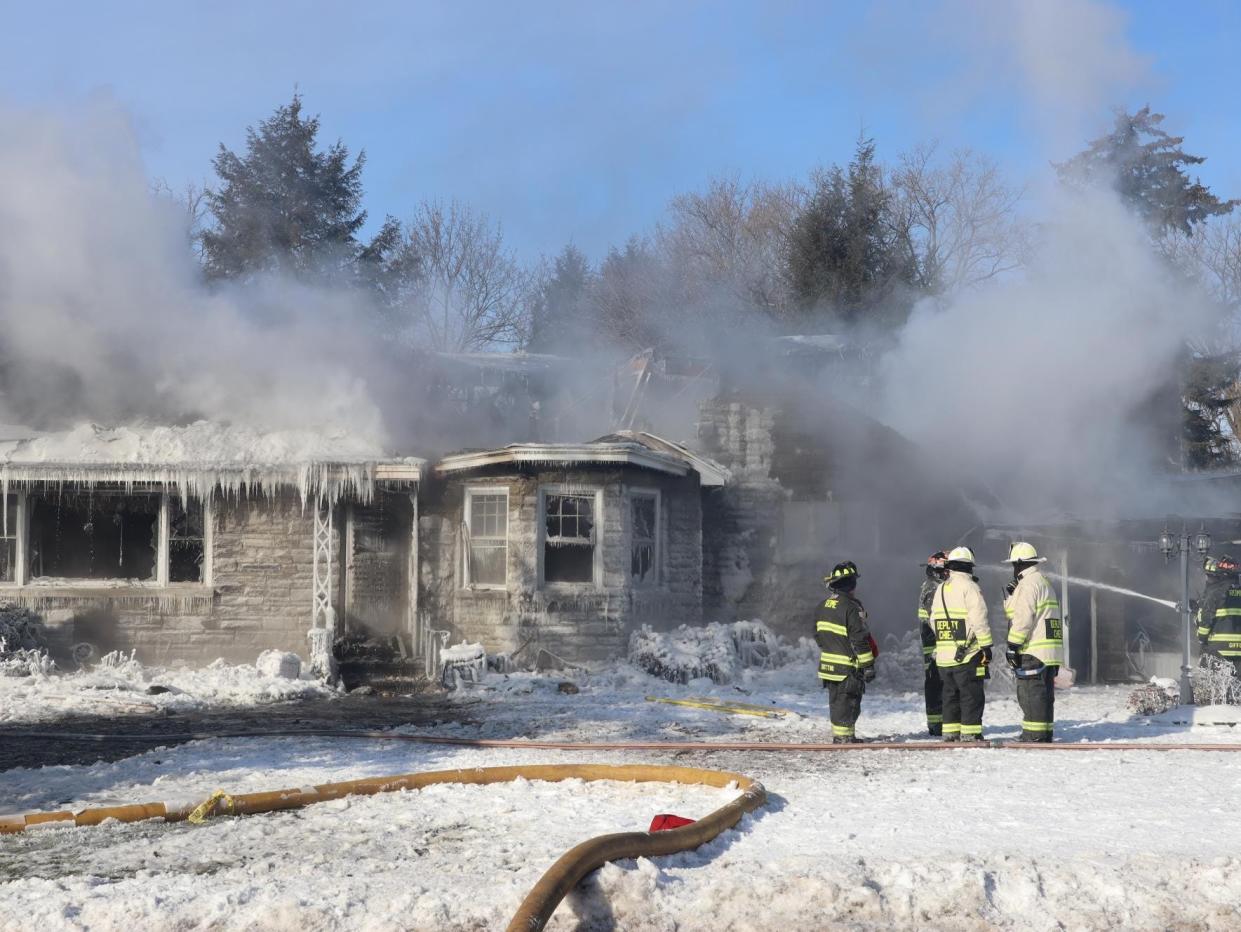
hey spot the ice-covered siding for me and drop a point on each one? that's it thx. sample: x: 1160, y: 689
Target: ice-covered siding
x: 258, y: 597
x: 579, y: 622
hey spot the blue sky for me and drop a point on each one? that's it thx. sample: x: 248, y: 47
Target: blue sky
x: 578, y: 121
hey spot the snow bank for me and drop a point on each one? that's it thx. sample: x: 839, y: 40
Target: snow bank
x: 120, y: 684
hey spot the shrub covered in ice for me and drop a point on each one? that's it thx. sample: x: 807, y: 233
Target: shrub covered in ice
x: 21, y: 629
x: 23, y: 643
x: 717, y: 652
x: 1159, y: 695
x: 1215, y: 682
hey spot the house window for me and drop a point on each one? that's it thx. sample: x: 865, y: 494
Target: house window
x: 187, y: 540
x: 10, y: 530
x: 111, y: 535
x: 643, y: 538
x: 486, y: 522
x: 568, y: 537
x: 95, y: 535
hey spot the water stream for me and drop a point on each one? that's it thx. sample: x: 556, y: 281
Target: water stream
x: 1091, y: 584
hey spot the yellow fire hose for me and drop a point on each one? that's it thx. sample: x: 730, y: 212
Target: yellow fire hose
x: 537, y: 908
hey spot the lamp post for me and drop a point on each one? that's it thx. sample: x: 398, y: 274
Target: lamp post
x: 1183, y: 543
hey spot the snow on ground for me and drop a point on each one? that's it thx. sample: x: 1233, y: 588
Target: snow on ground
x: 873, y: 839
x: 122, y: 689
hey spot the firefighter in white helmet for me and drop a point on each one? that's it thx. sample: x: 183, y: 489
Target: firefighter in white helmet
x: 1035, y: 648
x: 962, y: 647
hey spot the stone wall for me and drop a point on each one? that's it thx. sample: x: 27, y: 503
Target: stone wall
x: 578, y: 622
x: 259, y: 596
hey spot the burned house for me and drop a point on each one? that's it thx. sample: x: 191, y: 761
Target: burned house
x: 564, y: 548
x: 192, y: 543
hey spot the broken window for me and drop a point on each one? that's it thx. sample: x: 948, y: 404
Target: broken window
x: 8, y: 542
x: 644, y: 523
x: 186, y: 542
x: 94, y: 535
x: 486, y: 522
x: 108, y: 534
x: 569, y: 537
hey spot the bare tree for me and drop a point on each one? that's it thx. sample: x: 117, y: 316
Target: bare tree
x: 454, y: 284
x: 730, y: 240
x: 192, y: 202
x: 960, y: 218
x: 1210, y: 257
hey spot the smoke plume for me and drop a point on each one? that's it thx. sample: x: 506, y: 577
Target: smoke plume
x: 104, y: 317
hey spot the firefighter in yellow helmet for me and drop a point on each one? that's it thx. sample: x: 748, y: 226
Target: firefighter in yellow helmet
x: 1035, y: 641
x: 962, y: 647
x: 846, y: 655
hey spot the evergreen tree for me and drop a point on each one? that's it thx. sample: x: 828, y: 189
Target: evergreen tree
x: 1210, y: 388
x: 560, y: 313
x: 285, y: 206
x: 1146, y: 167
x: 844, y: 254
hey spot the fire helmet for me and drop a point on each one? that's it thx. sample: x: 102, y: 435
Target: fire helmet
x: 1021, y: 552
x: 937, y: 565
x: 961, y: 555
x: 841, y: 572
x: 1223, y: 565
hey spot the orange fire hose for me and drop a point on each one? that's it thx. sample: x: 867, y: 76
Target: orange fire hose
x: 568, y: 870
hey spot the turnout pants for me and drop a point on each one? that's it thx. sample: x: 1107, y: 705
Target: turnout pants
x: 933, y: 689
x: 964, y: 698
x: 1037, y: 697
x: 845, y: 704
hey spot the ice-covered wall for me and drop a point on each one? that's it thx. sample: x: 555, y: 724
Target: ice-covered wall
x: 578, y: 622
x: 259, y: 597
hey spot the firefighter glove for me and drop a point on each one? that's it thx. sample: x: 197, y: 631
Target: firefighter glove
x: 1013, y: 656
x: 868, y: 674
x: 986, y: 655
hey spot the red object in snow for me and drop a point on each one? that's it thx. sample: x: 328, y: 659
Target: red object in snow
x: 665, y: 822
x: 874, y: 647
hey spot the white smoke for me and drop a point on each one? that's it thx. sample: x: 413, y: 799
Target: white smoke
x: 1057, y: 388
x: 103, y: 315
x: 1046, y: 384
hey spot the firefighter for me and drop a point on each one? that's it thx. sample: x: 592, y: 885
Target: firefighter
x: 932, y: 686
x: 1219, y: 613
x: 962, y: 647
x: 1035, y: 648
x: 846, y: 657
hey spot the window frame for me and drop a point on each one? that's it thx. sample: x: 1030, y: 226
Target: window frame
x: 657, y: 540
x: 596, y: 494
x: 23, y: 578
x: 472, y: 491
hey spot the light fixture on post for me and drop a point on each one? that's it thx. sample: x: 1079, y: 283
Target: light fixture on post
x: 1183, y: 544
x: 1202, y: 543
x: 1167, y: 544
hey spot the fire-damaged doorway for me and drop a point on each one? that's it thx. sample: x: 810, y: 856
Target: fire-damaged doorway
x: 379, y: 645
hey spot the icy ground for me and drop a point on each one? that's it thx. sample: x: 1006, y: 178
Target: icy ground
x: 125, y: 688
x: 876, y: 839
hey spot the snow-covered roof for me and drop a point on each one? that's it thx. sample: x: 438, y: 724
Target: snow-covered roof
x: 203, y: 459
x: 624, y: 453
x: 711, y: 473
